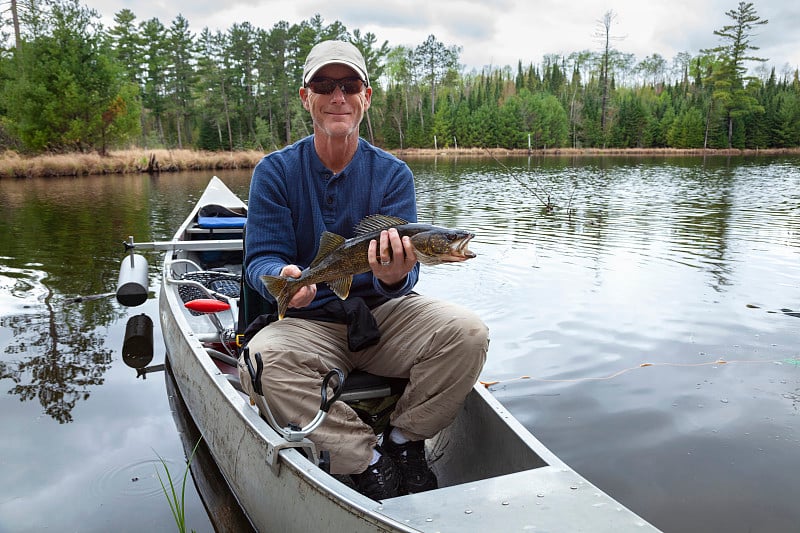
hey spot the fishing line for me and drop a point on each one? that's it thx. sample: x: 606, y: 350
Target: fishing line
x: 719, y: 362
x: 548, y: 204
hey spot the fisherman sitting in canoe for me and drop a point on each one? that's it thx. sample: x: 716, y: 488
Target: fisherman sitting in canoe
x: 305, y: 200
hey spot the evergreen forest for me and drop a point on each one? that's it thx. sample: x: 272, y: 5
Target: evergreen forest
x: 69, y: 84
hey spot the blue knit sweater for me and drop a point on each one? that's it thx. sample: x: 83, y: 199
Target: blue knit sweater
x: 294, y: 198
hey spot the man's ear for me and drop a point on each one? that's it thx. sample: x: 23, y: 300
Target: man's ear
x: 367, y: 98
x: 304, y: 98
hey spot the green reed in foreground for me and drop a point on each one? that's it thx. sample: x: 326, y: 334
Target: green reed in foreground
x: 177, y: 504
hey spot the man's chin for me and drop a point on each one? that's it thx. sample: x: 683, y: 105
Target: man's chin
x: 337, y: 129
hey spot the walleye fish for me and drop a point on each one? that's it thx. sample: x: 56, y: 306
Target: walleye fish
x: 339, y: 259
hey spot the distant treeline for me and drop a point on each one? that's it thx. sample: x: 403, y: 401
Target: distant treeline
x: 69, y: 84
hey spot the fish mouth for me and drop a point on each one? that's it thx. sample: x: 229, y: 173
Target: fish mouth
x: 459, y: 249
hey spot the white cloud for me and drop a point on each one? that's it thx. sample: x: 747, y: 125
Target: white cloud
x: 503, y: 32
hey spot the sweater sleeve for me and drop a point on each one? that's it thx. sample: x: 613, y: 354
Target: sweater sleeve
x: 267, y: 218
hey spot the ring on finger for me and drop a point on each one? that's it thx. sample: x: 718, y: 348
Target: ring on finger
x: 386, y: 263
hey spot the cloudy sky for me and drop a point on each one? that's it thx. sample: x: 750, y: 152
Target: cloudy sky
x: 502, y: 32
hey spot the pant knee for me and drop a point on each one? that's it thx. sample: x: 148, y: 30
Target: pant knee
x: 473, y: 337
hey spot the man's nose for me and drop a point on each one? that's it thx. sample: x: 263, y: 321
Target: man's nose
x: 338, y: 94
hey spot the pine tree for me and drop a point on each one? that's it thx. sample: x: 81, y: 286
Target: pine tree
x: 63, y: 89
x: 730, y: 75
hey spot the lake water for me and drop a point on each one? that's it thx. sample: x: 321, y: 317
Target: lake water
x: 645, y: 327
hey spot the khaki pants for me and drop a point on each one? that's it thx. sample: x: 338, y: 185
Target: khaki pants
x: 440, y: 347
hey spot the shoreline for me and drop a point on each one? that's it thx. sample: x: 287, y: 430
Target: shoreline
x: 577, y: 152
x: 13, y: 165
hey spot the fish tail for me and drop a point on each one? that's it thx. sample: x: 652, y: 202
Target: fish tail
x: 282, y: 290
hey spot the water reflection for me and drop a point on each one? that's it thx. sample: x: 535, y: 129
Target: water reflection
x: 52, y: 357
x: 56, y: 353
x: 691, y: 215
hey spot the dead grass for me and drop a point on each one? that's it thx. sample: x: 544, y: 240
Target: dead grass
x: 13, y: 165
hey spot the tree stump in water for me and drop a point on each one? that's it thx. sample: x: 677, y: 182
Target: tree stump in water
x: 152, y: 165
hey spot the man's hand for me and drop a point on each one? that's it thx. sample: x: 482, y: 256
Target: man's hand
x: 391, y: 258
x: 305, y: 295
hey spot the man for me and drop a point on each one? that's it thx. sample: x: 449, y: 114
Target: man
x: 330, y: 181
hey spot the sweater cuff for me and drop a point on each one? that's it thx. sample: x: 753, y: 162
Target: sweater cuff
x: 401, y: 290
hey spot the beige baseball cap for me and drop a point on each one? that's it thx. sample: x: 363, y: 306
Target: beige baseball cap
x: 328, y: 52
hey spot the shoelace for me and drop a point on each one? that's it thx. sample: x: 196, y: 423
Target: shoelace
x: 413, y: 462
x: 375, y: 479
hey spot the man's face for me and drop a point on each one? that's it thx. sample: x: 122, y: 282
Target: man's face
x: 337, y: 114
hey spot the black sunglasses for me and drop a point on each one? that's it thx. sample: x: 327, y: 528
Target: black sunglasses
x: 328, y: 85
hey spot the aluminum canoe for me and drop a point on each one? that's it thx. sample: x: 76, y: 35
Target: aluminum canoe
x: 494, y: 475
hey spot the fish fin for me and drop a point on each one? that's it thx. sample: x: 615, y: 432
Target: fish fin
x: 341, y: 286
x: 328, y: 242
x: 280, y: 289
x: 375, y: 223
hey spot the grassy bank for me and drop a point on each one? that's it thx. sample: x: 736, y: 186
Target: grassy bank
x: 13, y: 165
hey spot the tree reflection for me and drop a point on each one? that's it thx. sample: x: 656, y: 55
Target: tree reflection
x: 60, y: 356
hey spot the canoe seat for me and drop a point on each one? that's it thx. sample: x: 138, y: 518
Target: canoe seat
x: 358, y: 387
x: 361, y: 385
x: 218, y: 222
x: 214, y: 216
x: 372, y: 397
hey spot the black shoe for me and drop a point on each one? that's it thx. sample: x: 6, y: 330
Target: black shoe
x: 380, y: 480
x: 415, y: 474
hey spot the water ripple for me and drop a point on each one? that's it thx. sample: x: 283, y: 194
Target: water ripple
x: 137, y: 478
x: 20, y: 288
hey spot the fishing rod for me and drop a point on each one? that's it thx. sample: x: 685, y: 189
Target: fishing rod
x: 548, y: 205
